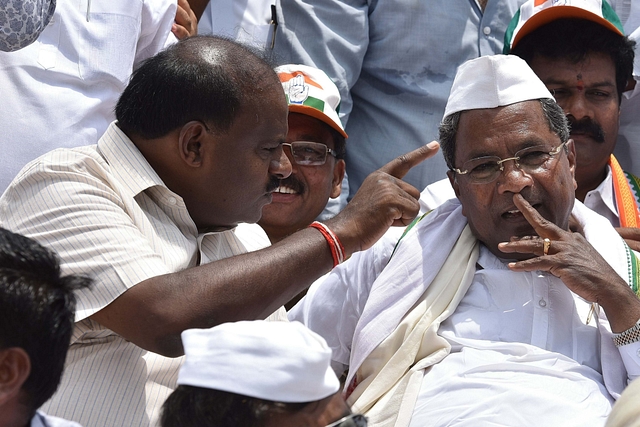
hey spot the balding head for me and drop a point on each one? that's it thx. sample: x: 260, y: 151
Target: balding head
x: 203, y: 78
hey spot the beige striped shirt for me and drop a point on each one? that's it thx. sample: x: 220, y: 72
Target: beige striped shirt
x: 108, y: 215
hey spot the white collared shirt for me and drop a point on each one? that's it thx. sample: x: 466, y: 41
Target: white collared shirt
x: 61, y: 90
x: 40, y: 419
x: 522, y: 354
x: 602, y: 200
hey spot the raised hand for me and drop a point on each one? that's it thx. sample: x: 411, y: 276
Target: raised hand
x: 580, y: 267
x: 186, y: 22
x: 382, y: 201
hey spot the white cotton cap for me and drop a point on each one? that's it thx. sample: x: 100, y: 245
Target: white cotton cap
x: 494, y: 81
x: 277, y: 361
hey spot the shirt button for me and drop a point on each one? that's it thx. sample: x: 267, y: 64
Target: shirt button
x: 638, y: 353
x: 172, y: 200
x: 486, y: 31
x: 542, y: 303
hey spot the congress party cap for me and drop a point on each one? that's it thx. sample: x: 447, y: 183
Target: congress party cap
x: 494, y: 81
x: 534, y: 14
x: 277, y: 361
x: 309, y: 91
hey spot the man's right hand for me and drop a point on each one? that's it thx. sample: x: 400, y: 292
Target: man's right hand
x: 631, y: 235
x: 383, y: 200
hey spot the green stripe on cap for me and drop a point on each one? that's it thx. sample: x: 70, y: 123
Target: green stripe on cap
x: 316, y: 103
x: 508, y: 35
x: 610, y: 15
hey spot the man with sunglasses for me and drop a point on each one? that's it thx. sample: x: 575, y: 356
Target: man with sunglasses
x: 257, y: 374
x: 315, y: 146
x: 491, y: 309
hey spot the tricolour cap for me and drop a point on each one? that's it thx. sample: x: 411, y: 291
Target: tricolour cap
x: 494, y: 81
x: 277, y: 361
x: 536, y: 13
x: 310, y: 91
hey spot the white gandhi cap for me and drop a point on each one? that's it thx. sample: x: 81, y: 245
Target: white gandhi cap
x: 494, y: 81
x: 277, y: 361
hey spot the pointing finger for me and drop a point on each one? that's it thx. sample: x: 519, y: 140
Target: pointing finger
x: 542, y: 226
x: 399, y: 166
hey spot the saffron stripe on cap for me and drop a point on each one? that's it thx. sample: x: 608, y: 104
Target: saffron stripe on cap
x: 285, y: 77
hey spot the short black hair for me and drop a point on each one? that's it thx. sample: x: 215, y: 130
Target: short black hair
x: 204, y: 78
x: 190, y: 406
x: 339, y: 143
x: 37, y: 308
x: 448, y: 130
x: 573, y: 39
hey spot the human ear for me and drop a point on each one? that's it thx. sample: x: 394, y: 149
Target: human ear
x: 15, y: 367
x: 338, y: 176
x: 191, y: 142
x: 571, y: 157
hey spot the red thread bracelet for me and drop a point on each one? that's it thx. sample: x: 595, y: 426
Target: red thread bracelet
x: 337, y: 250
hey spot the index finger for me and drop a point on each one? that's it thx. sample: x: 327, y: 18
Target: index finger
x: 542, y: 226
x: 399, y: 166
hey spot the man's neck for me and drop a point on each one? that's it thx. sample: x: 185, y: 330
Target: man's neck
x: 483, y: 4
x: 586, y: 184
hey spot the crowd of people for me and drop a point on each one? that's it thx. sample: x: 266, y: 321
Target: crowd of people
x: 319, y: 213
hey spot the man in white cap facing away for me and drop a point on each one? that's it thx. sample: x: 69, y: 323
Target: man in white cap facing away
x: 255, y: 374
x: 490, y: 310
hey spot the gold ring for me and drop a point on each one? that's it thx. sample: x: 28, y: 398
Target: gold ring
x: 546, y: 244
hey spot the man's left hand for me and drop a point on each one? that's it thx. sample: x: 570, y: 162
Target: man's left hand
x: 186, y: 23
x: 631, y: 235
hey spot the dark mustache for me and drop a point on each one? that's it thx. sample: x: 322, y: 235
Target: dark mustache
x: 292, y: 182
x: 587, y: 126
x: 274, y: 183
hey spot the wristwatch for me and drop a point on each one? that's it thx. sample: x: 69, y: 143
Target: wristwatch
x: 629, y: 336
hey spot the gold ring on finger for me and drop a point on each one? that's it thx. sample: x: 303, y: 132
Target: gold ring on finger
x: 546, y: 244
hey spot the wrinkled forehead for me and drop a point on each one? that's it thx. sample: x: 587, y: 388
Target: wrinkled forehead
x: 502, y: 130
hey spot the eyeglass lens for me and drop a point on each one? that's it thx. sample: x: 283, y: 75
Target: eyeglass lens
x: 308, y: 153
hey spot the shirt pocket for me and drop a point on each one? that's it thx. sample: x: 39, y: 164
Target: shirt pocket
x: 108, y: 40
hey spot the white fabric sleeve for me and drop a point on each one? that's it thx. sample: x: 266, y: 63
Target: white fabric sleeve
x: 155, y: 28
x: 630, y: 354
x: 334, y: 303
x: 332, y: 35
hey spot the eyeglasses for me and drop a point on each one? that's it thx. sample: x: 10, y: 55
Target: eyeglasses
x: 482, y: 170
x: 352, y: 420
x: 307, y: 153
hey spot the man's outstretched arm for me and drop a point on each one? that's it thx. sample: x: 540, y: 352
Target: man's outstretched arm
x: 154, y: 312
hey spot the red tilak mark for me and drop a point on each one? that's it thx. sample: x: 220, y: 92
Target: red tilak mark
x: 580, y: 85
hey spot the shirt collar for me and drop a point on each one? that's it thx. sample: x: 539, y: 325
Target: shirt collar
x: 604, y: 191
x: 127, y: 162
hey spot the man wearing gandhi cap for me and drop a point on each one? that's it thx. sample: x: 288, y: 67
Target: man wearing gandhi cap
x: 257, y: 373
x: 490, y: 310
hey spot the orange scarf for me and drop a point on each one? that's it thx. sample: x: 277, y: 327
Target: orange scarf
x: 627, y: 192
